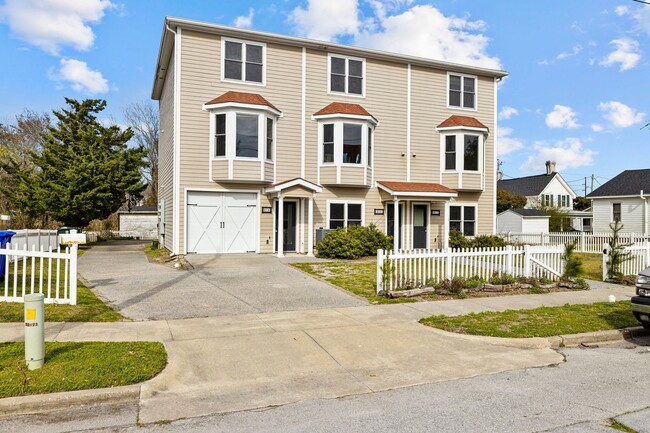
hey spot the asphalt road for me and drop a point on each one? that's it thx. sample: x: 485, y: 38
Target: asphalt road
x: 579, y: 395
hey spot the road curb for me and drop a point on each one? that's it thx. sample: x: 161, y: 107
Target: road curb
x: 574, y: 340
x: 31, y: 404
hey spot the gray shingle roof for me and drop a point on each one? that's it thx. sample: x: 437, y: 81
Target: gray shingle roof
x: 530, y: 212
x: 630, y: 182
x: 528, y: 186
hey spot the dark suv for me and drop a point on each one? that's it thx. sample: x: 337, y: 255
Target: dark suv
x: 641, y: 302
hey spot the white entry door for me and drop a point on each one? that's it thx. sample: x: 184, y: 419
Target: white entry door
x: 221, y: 222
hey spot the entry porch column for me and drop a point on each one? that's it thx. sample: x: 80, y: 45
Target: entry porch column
x: 280, y: 242
x: 310, y: 227
x: 396, y: 233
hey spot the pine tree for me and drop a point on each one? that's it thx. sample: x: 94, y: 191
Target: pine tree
x: 84, y: 171
x: 617, y: 254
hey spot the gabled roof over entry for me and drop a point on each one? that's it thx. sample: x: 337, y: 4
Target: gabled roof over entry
x: 456, y: 121
x: 291, y: 183
x: 241, y: 99
x: 419, y: 189
x: 345, y: 109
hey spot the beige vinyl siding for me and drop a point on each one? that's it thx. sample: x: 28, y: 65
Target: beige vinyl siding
x: 247, y: 170
x: 428, y: 109
x: 219, y: 170
x: 266, y: 225
x: 166, y: 151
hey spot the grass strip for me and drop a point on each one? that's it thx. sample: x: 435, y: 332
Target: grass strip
x: 356, y: 277
x: 539, y: 322
x: 75, y: 366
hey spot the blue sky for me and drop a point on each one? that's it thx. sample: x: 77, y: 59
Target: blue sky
x: 577, y: 91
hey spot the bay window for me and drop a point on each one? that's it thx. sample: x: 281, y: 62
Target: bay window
x: 468, y: 158
x: 345, y: 143
x: 244, y: 134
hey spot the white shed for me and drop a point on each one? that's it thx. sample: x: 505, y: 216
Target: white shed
x: 522, y: 221
x: 143, y: 219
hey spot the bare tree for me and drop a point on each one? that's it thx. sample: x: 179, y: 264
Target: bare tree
x: 142, y: 118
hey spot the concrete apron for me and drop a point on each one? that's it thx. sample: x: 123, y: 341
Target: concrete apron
x: 263, y: 366
x: 225, y: 364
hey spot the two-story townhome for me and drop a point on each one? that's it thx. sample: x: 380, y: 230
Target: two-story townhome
x: 623, y: 198
x: 266, y: 138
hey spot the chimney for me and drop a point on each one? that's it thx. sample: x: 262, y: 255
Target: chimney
x: 550, y: 167
x: 499, y: 175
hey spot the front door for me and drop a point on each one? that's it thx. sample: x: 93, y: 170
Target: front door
x: 419, y: 226
x: 390, y: 221
x: 290, y: 209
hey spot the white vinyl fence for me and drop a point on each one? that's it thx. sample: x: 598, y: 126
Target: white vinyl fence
x: 52, y: 273
x: 638, y: 258
x: 585, y: 242
x: 35, y: 239
x: 418, y: 268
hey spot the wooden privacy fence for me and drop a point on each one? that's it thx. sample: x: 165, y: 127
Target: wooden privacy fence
x: 418, y: 268
x: 52, y: 273
x: 638, y: 258
x: 585, y: 242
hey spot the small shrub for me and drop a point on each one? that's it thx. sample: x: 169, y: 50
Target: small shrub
x: 371, y: 238
x: 353, y: 242
x: 445, y: 285
x: 503, y: 279
x: 488, y: 241
x: 581, y: 282
x: 572, y: 263
x: 457, y: 284
x: 458, y: 240
x: 473, y: 283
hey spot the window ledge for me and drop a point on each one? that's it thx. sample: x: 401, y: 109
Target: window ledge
x: 247, y: 83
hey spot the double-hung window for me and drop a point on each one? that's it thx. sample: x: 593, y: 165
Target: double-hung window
x: 220, y: 135
x: 346, y: 75
x: 616, y: 211
x: 462, y: 91
x: 450, y: 152
x: 243, y: 61
x: 269, y: 139
x: 463, y: 219
x: 345, y: 214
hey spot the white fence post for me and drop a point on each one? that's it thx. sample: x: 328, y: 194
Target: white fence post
x: 527, y: 261
x: 73, y: 273
x: 509, y: 270
x: 606, y: 252
x: 380, y: 269
x: 448, y: 263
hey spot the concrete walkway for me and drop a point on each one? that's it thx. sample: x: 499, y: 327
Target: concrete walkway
x: 220, y: 285
x: 224, y: 364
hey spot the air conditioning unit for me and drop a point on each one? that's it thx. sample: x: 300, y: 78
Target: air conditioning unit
x: 321, y: 232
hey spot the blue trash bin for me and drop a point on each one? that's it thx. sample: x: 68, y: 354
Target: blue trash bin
x: 5, y: 238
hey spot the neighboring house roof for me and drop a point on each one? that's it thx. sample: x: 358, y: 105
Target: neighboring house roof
x: 138, y: 209
x: 629, y: 182
x: 415, y: 188
x: 167, y: 43
x: 242, y: 98
x: 344, y: 108
x: 536, y: 213
x: 527, y: 186
x: 459, y: 121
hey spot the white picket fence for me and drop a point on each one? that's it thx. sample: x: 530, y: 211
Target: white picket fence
x: 28, y: 270
x: 36, y: 239
x: 419, y: 268
x: 639, y: 258
x: 585, y: 242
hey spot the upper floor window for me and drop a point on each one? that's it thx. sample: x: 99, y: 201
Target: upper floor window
x: 462, y: 91
x: 547, y: 200
x: 346, y: 75
x: 269, y: 139
x: 243, y: 134
x: 243, y: 61
x: 468, y: 157
x: 346, y: 143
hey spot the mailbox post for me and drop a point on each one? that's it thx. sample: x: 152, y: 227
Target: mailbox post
x: 34, y: 331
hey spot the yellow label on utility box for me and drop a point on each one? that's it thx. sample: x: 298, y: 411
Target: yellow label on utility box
x: 31, y: 314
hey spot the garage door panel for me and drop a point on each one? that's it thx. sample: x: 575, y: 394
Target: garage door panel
x: 204, y: 233
x: 240, y: 232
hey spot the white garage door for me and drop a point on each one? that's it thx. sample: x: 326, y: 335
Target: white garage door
x: 221, y: 222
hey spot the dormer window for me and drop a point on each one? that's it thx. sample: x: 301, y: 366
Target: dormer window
x: 243, y: 61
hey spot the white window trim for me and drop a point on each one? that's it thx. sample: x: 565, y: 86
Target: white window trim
x: 462, y: 216
x: 329, y: 75
x: 338, y: 123
x: 244, y: 43
x: 427, y: 217
x: 460, y: 156
x: 462, y: 86
x: 345, y: 210
x: 620, y: 206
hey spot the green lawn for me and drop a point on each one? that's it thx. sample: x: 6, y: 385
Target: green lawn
x: 592, y: 266
x: 75, y: 366
x: 356, y: 276
x: 540, y: 322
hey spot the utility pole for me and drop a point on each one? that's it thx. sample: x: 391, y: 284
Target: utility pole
x: 585, y: 187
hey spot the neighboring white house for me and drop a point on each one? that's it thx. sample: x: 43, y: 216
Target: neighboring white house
x: 522, y: 221
x: 138, y: 219
x: 548, y: 189
x: 623, y: 198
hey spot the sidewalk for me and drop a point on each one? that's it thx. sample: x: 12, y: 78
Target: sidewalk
x: 225, y: 364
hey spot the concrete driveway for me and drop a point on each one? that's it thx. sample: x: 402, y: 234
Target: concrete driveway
x: 224, y: 285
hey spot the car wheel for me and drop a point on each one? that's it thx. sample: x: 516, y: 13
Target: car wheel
x: 646, y: 325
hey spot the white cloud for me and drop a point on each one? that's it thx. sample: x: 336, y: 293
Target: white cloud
x: 626, y: 54
x: 641, y: 16
x: 326, y: 19
x: 245, y: 21
x: 506, y: 143
x: 621, y: 10
x: 575, y: 50
x: 567, y: 153
x: 562, y: 117
x: 620, y: 115
x: 52, y: 24
x: 424, y: 31
x: 80, y: 77
x: 507, y: 112
x: 597, y: 127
